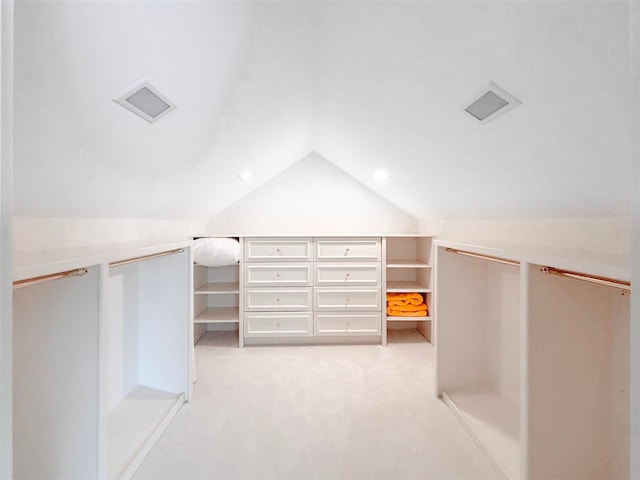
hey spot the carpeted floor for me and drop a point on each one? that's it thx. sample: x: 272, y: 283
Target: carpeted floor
x: 324, y: 412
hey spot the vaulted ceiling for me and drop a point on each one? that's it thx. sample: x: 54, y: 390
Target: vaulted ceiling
x: 367, y: 85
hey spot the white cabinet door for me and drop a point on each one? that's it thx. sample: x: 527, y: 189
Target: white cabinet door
x: 347, y: 324
x: 348, y: 249
x: 278, y: 274
x: 347, y: 274
x: 276, y: 250
x: 275, y: 299
x: 347, y: 298
x: 278, y: 324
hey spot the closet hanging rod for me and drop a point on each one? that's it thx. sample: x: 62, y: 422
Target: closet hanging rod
x: 504, y: 261
x: 609, y: 282
x: 78, y: 272
x: 144, y: 257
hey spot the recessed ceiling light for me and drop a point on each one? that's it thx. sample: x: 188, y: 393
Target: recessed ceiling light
x: 381, y: 175
x: 244, y: 175
x: 146, y: 101
x: 492, y: 102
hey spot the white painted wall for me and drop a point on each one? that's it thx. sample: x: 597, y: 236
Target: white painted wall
x: 6, y: 205
x: 312, y: 197
x: 32, y: 233
x: 634, y: 77
x: 606, y: 234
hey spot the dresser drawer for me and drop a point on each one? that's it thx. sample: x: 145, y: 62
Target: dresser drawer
x: 347, y: 274
x: 347, y: 298
x: 278, y: 324
x: 347, y: 324
x: 275, y: 250
x: 283, y: 274
x: 274, y: 299
x: 348, y: 249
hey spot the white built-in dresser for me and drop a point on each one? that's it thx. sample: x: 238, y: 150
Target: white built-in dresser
x: 316, y: 289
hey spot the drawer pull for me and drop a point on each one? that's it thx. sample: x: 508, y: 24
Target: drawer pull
x: 346, y: 252
x: 278, y: 251
x: 278, y: 325
x: 278, y: 275
x: 277, y: 299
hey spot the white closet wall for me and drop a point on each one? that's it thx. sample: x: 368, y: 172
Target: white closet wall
x: 55, y: 378
x: 578, y: 379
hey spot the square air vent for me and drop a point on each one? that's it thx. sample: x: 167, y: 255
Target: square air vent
x: 492, y: 102
x: 146, y: 101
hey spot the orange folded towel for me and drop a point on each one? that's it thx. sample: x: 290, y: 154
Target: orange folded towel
x: 409, y: 308
x: 403, y: 296
x: 399, y: 313
x: 410, y: 301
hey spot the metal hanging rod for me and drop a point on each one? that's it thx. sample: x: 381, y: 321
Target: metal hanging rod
x: 78, y: 272
x: 504, y: 261
x: 144, y: 257
x: 609, y: 282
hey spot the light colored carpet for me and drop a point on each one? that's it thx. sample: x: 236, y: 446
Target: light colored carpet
x: 323, y: 412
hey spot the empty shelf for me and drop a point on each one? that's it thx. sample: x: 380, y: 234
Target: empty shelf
x: 407, y: 264
x: 218, y: 288
x: 495, y: 422
x: 219, y: 315
x: 407, y: 287
x: 135, y: 424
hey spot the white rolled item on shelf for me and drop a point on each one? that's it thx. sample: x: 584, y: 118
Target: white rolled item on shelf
x: 216, y: 252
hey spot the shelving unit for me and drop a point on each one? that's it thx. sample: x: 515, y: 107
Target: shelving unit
x: 533, y: 358
x: 217, y: 304
x: 408, y: 270
x: 479, y: 348
x: 101, y: 363
x: 147, y: 305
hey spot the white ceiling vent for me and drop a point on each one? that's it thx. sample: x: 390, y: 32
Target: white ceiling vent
x: 146, y: 101
x: 492, y: 102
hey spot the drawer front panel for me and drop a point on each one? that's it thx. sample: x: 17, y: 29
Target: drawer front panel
x: 348, y: 249
x: 347, y: 324
x: 275, y: 250
x: 278, y: 324
x: 347, y: 274
x: 284, y: 274
x: 347, y: 298
x: 273, y: 299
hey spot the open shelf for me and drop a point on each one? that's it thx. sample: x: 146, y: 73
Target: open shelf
x: 495, y: 421
x: 218, y: 288
x: 219, y: 315
x: 407, y: 264
x: 407, y: 286
x: 408, y: 319
x: 134, y: 423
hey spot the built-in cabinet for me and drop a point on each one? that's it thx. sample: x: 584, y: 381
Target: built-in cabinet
x: 532, y: 355
x: 216, y: 300
x: 315, y: 289
x: 408, y: 269
x: 308, y: 288
x: 101, y: 357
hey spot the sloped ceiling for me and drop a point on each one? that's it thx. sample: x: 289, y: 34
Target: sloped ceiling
x: 365, y: 84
